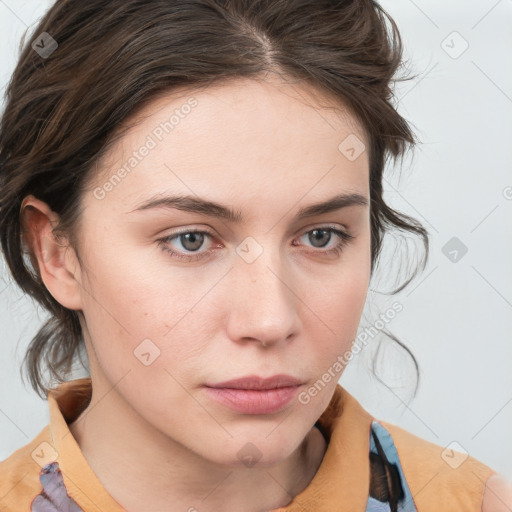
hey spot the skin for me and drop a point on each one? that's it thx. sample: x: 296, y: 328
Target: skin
x: 266, y: 149
x: 498, y: 494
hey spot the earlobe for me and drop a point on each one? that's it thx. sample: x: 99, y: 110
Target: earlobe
x: 51, y: 256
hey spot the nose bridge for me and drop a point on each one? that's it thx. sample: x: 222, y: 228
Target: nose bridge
x: 261, y: 268
x: 263, y: 304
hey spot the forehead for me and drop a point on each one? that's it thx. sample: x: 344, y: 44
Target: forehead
x: 261, y: 135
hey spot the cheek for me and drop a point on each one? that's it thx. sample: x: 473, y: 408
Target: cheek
x: 336, y: 316
x: 334, y: 310
x: 136, y: 314
x: 340, y: 295
x: 347, y: 299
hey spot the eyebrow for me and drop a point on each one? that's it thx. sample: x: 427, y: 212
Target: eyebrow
x: 201, y: 206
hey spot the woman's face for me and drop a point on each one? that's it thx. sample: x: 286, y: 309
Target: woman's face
x: 259, y: 296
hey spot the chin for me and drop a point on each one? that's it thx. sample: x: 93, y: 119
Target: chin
x: 254, y: 452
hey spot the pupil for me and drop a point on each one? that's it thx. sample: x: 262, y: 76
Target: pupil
x: 195, y: 238
x: 323, y: 233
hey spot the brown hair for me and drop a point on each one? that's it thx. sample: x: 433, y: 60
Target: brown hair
x: 63, y: 109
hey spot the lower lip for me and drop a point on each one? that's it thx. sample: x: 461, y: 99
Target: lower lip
x: 251, y: 401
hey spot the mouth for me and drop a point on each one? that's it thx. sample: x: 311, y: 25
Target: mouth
x: 258, y: 383
x: 255, y: 395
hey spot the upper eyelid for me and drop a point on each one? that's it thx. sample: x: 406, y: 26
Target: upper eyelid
x: 301, y: 232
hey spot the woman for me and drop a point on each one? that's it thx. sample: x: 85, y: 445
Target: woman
x: 171, y: 168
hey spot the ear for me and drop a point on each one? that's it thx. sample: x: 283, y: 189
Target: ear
x: 56, y: 260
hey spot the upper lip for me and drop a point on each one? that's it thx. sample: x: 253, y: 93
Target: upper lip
x: 256, y: 382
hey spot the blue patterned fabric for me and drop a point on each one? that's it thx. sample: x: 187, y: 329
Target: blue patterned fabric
x: 53, y: 497
x: 406, y: 504
x: 374, y: 505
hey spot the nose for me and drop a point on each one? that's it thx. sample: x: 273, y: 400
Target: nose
x: 263, y: 306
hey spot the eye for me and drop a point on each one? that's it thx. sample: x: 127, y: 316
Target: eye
x: 318, y: 236
x: 190, y: 240
x: 193, y: 240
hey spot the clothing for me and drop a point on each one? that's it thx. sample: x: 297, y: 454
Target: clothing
x: 426, y: 483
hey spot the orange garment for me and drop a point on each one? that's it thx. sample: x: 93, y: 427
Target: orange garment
x: 340, y: 484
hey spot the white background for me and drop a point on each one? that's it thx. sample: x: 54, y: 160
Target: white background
x: 457, y: 316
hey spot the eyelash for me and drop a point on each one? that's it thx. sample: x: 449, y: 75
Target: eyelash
x: 345, y: 239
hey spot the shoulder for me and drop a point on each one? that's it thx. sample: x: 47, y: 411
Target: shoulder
x: 439, y: 477
x: 497, y: 495
x: 19, y: 473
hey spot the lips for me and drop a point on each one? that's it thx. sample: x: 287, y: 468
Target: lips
x: 254, y: 394
x: 257, y: 383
